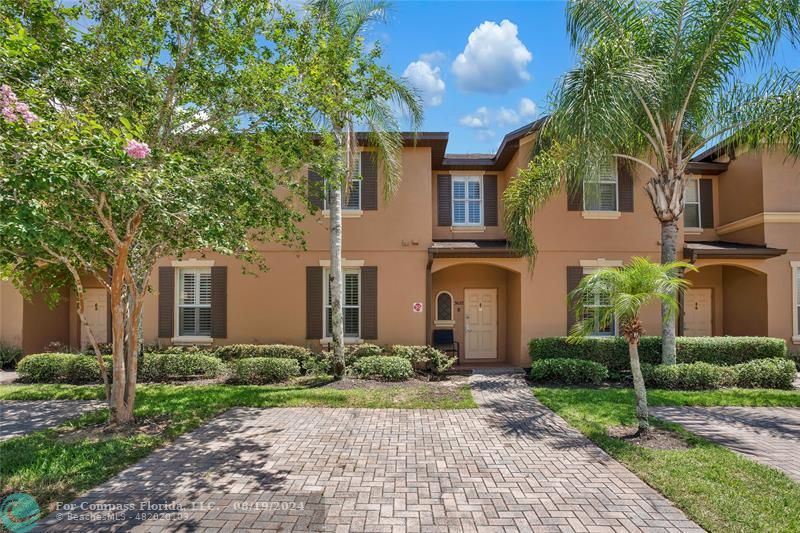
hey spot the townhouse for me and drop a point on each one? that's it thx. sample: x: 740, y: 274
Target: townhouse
x: 435, y: 258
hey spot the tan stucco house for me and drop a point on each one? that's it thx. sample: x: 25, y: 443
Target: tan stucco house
x: 435, y: 257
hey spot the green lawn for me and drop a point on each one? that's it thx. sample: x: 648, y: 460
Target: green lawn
x: 717, y: 488
x: 52, y: 466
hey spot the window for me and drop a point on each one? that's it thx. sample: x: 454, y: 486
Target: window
x: 194, y: 302
x: 444, y: 308
x: 691, y: 211
x: 467, y: 205
x: 796, y: 301
x: 351, y: 305
x: 593, y: 307
x: 351, y: 197
x: 600, y: 194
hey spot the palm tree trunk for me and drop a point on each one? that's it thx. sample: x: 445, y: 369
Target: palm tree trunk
x: 638, y: 387
x: 335, y: 281
x: 669, y: 253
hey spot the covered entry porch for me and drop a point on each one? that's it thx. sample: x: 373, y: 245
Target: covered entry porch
x: 475, y: 297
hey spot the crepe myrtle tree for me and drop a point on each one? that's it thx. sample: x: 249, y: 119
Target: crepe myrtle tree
x: 655, y: 82
x: 627, y: 290
x: 349, y: 90
x: 178, y: 129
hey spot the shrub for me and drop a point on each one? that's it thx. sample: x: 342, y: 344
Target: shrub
x: 423, y: 358
x: 323, y: 363
x: 233, y: 352
x: 43, y: 367
x: 166, y: 366
x: 262, y: 370
x: 178, y: 349
x: 795, y: 356
x: 106, y: 348
x: 613, y: 351
x: 389, y: 368
x: 568, y: 371
x: 9, y: 355
x: 774, y: 373
x: 688, y: 376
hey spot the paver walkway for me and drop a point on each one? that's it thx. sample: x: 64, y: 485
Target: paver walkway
x: 21, y: 417
x: 511, y: 465
x: 770, y: 435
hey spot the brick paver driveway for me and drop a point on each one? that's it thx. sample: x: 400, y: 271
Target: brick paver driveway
x: 21, y: 417
x: 770, y: 435
x: 511, y: 465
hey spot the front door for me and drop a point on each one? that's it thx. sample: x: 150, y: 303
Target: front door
x: 697, y: 313
x: 480, y: 323
x: 96, y: 309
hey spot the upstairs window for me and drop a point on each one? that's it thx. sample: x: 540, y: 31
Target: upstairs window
x: 194, y: 302
x: 691, y: 210
x: 351, y: 305
x: 351, y: 196
x: 467, y: 201
x: 600, y: 194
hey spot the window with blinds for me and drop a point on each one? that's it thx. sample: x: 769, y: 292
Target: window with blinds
x: 351, y: 196
x: 691, y: 210
x: 594, y: 306
x: 467, y: 208
x: 351, y: 305
x: 194, y: 302
x: 600, y: 193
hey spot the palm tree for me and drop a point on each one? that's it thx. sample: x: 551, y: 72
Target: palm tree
x: 353, y: 91
x: 656, y: 81
x: 627, y: 290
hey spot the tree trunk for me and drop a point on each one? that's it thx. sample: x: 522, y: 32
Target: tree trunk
x: 638, y: 387
x: 121, y: 411
x: 669, y: 253
x: 335, y: 280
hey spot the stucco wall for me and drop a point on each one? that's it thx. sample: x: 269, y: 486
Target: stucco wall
x: 43, y: 323
x: 745, y: 302
x: 10, y: 314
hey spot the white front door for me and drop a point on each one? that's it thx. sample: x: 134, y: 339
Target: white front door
x: 96, y: 310
x: 697, y: 313
x: 480, y: 323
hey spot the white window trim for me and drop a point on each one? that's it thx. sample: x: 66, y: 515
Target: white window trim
x: 699, y: 228
x: 602, y: 214
x: 347, y: 212
x: 467, y: 228
x: 795, y: 303
x: 325, y: 289
x: 600, y: 262
x: 473, y: 226
x: 588, y: 269
x: 346, y: 263
x: 444, y: 323
x: 190, y: 264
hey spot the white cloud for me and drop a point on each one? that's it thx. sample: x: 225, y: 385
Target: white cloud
x: 506, y: 117
x: 433, y: 58
x: 527, y: 108
x: 483, y: 117
x: 426, y: 78
x: 480, y: 119
x: 494, y: 60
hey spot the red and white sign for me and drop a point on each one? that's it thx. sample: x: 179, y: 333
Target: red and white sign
x: 417, y: 307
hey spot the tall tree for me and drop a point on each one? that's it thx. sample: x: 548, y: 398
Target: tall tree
x: 656, y: 81
x: 162, y: 127
x: 348, y: 90
x: 628, y: 289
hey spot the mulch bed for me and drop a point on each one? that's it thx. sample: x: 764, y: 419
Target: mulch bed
x: 655, y: 438
x: 154, y: 426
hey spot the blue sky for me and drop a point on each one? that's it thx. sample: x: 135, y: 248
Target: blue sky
x: 476, y: 69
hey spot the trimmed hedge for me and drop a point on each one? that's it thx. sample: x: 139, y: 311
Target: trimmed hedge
x: 263, y: 370
x: 774, y: 373
x: 568, y: 371
x: 423, y: 358
x: 613, y: 351
x: 385, y: 367
x: 61, y: 368
x: 231, y: 352
x: 167, y: 366
x: 9, y: 355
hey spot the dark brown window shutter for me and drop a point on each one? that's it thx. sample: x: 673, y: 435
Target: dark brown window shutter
x: 166, y: 302
x: 316, y: 186
x: 706, y: 203
x: 490, y: 200
x: 443, y: 200
x: 369, y: 302
x: 369, y: 181
x: 575, y: 199
x: 574, y: 276
x: 219, y: 302
x: 625, y: 186
x: 313, y: 302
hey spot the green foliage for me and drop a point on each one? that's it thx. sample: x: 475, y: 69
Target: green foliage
x: 795, y: 356
x: 423, y: 358
x: 263, y: 370
x: 165, y: 367
x: 613, y: 351
x: 9, y: 355
x: 766, y: 374
x: 568, y: 371
x: 385, y: 367
x: 776, y: 373
x: 60, y: 368
x: 302, y: 355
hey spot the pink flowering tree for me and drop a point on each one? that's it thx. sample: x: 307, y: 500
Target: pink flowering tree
x: 155, y: 131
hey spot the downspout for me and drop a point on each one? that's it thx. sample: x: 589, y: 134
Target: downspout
x: 428, y: 298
